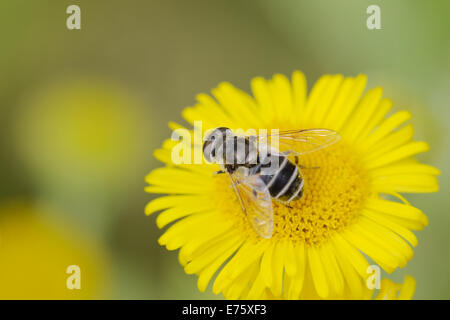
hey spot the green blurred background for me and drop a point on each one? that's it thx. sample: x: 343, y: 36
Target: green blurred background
x: 82, y: 110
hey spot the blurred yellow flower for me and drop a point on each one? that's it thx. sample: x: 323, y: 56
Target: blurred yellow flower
x: 81, y: 131
x: 35, y: 255
x: 349, y: 205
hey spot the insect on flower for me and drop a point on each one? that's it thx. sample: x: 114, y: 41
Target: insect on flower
x: 352, y: 207
x: 259, y: 172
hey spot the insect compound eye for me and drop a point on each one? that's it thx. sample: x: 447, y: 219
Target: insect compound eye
x: 222, y: 131
x: 218, y: 133
x: 208, y: 151
x: 213, y: 143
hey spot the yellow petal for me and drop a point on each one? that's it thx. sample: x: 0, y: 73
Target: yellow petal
x: 392, y: 225
x: 318, y: 272
x: 397, y: 209
x: 339, y: 116
x: 362, y: 114
x: 386, y: 127
x: 331, y: 267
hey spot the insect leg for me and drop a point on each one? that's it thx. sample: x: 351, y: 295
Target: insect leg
x: 303, y: 167
x: 285, y: 203
x: 297, y: 163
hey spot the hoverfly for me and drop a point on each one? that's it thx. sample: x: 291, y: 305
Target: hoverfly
x: 260, y: 177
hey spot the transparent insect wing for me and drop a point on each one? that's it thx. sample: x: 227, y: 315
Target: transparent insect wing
x: 256, y: 202
x: 300, y: 141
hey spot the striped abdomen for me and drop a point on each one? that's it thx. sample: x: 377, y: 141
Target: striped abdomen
x: 286, y: 184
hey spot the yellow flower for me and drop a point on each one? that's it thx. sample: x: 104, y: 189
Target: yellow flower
x: 35, y: 255
x: 351, y: 204
x: 82, y: 131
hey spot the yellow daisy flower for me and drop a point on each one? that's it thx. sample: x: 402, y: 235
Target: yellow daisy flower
x: 351, y: 204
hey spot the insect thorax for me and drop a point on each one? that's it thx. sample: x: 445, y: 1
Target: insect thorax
x: 224, y: 148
